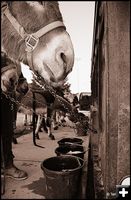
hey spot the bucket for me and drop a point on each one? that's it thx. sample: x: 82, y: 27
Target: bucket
x: 75, y: 150
x: 70, y: 141
x: 62, y: 175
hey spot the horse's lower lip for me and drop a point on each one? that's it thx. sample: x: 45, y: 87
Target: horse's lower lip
x: 57, y: 80
x: 49, y: 71
x: 53, y: 76
x: 62, y: 77
x: 56, y: 84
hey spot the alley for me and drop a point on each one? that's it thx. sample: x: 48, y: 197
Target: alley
x: 29, y: 157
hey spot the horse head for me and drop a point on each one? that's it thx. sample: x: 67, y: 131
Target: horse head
x: 33, y: 33
x: 9, y: 74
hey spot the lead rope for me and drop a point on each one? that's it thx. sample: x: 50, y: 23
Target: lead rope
x: 28, y: 108
x: 34, y: 124
x: 41, y: 82
x: 43, y: 85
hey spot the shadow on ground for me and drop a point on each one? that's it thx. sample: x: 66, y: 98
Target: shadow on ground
x: 20, y: 131
x: 37, y: 187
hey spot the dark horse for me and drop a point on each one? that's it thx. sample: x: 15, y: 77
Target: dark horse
x: 33, y: 33
x: 10, y: 72
x: 13, y: 85
x: 9, y: 81
x: 46, y: 103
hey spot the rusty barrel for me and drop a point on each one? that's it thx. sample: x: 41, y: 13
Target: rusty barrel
x: 62, y: 175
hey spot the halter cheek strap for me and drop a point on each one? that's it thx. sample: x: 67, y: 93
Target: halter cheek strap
x: 31, y: 40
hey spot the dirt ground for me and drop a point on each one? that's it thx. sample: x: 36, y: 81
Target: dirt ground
x: 29, y: 158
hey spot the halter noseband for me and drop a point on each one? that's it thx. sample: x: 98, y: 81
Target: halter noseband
x: 31, y: 40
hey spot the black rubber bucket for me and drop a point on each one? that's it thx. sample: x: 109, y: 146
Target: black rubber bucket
x: 75, y: 150
x: 62, y: 175
x: 66, y: 141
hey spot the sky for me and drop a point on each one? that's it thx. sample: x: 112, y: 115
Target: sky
x: 78, y: 16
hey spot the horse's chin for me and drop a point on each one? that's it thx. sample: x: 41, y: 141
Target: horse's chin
x: 57, y: 84
x: 8, y: 91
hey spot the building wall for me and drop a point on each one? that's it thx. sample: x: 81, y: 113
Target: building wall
x: 110, y: 80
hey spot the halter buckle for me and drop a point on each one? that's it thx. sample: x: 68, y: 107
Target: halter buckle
x: 31, y: 43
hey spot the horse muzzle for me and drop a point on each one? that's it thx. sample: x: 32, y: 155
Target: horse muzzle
x: 55, y: 60
x: 9, y: 85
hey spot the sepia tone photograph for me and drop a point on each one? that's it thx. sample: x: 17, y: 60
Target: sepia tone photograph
x: 65, y: 99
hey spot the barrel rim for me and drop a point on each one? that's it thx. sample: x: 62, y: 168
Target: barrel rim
x: 64, y: 146
x: 62, y: 172
x: 79, y: 140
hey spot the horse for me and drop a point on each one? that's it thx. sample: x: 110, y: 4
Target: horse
x: 26, y: 106
x: 33, y: 32
x: 44, y: 101
x: 10, y: 71
x: 21, y: 89
x: 12, y: 84
x: 9, y: 81
x: 45, y: 105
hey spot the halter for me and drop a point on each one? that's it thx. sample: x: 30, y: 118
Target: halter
x: 31, y: 40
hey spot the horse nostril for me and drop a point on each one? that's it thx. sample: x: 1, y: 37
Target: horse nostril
x: 26, y: 90
x: 16, y: 83
x: 19, y: 110
x: 12, y: 81
x: 63, y: 57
